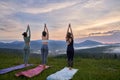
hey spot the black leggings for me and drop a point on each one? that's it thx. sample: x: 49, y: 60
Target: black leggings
x: 70, y: 55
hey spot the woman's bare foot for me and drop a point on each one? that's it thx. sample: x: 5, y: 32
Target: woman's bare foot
x: 70, y: 68
x: 17, y: 75
x: 26, y: 65
x: 44, y: 66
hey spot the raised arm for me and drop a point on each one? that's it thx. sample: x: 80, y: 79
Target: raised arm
x: 46, y: 29
x: 28, y: 30
x: 67, y: 31
x: 71, y: 30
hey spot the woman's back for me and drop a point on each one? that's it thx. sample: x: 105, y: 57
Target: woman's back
x: 70, y: 45
x: 45, y: 39
x: 27, y: 39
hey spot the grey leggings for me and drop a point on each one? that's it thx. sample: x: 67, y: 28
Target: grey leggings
x: 44, y: 53
x: 26, y: 55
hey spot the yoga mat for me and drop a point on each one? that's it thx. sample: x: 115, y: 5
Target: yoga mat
x: 64, y: 74
x: 6, y: 70
x: 32, y: 72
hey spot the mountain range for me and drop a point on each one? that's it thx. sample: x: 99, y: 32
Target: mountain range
x: 53, y: 44
x: 59, y: 47
x: 88, y: 43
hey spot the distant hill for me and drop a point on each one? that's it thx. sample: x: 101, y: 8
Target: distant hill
x: 88, y: 43
x: 87, y: 48
x: 53, y: 45
x: 59, y: 47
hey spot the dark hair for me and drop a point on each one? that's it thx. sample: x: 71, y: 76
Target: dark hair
x: 24, y: 34
x: 69, y: 35
x: 44, y: 33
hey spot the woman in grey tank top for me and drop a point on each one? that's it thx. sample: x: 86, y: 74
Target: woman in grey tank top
x: 26, y: 38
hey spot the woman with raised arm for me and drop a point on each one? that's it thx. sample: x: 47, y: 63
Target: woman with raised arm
x: 44, y: 48
x: 26, y: 38
x: 70, y: 48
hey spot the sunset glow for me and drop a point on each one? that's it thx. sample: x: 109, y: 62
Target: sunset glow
x: 90, y: 19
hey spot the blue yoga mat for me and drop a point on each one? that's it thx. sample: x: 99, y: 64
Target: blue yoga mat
x: 64, y: 74
x: 6, y: 70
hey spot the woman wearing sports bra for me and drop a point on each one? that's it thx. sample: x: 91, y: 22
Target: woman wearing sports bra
x: 44, y: 48
x: 27, y: 45
x: 70, y: 48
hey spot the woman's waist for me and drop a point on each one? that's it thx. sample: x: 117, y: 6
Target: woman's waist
x: 70, y: 47
x: 26, y: 47
x: 44, y: 43
x: 27, y: 44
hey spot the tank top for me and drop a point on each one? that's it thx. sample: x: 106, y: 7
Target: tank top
x: 26, y: 40
x: 71, y: 44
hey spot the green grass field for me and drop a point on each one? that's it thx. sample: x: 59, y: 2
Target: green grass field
x: 89, y: 69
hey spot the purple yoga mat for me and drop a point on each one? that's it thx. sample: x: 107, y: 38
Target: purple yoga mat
x: 6, y: 70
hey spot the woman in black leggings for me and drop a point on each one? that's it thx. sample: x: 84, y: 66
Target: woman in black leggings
x: 70, y: 48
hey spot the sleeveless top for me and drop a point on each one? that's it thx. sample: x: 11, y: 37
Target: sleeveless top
x: 70, y: 46
x: 26, y: 40
x: 45, y: 40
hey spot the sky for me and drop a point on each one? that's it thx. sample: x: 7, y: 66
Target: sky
x: 97, y: 20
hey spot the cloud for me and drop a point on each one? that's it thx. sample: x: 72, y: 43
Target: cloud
x: 113, y: 38
x: 5, y: 9
x: 49, y: 8
x: 94, y: 17
x: 112, y: 32
x: 3, y: 29
x: 105, y: 33
x: 93, y: 4
x: 97, y: 31
x: 10, y: 25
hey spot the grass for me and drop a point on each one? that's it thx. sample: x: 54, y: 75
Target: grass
x: 89, y: 69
